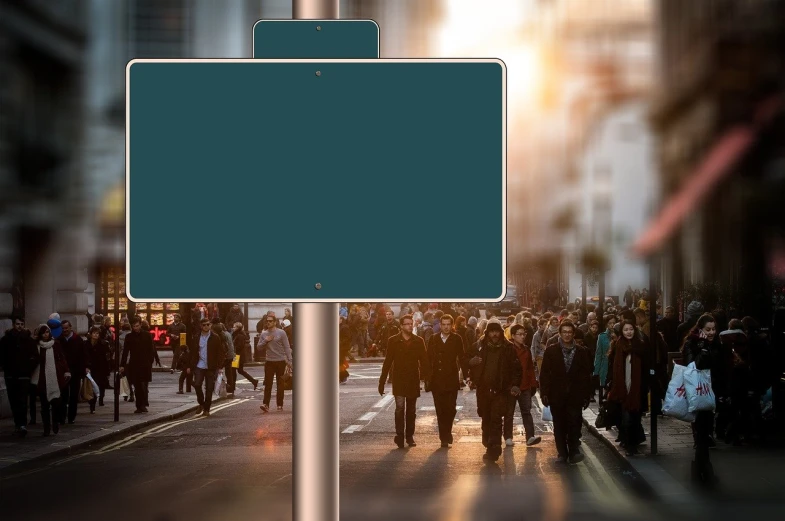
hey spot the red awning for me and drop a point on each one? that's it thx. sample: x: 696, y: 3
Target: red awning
x: 712, y: 169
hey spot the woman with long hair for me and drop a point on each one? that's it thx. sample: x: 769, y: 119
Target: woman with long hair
x: 98, y: 364
x: 626, y: 384
x: 50, y: 376
x: 703, y: 347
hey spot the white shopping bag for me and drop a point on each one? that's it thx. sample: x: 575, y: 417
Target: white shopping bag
x: 125, y: 387
x: 676, y: 405
x: 96, y: 390
x: 220, y: 385
x: 546, y: 414
x: 700, y: 395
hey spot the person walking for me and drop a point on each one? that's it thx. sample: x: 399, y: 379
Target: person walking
x: 50, y: 377
x: 174, y: 331
x: 447, y: 356
x: 565, y: 387
x: 279, y: 357
x: 137, y: 362
x: 76, y: 355
x: 98, y: 355
x: 497, y: 373
x: 408, y: 353
x: 18, y: 358
x: 600, y: 373
x: 206, y: 359
x: 627, y: 383
x: 528, y: 387
x: 242, y: 346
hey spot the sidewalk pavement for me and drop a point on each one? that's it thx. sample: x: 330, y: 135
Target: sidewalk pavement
x: 749, y: 473
x: 89, y: 429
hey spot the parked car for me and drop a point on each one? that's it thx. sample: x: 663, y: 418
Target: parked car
x: 510, y: 305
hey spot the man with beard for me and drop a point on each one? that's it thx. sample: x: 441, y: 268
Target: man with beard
x: 497, y: 373
x: 565, y: 387
x: 407, y: 352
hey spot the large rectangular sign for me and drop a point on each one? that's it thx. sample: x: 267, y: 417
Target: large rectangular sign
x: 318, y: 180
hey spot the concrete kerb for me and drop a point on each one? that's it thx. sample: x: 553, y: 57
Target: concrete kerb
x: 107, y: 435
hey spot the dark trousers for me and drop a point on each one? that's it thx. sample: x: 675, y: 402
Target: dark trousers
x: 243, y: 372
x: 274, y: 369
x: 142, y: 393
x: 206, y: 378
x: 524, y: 402
x: 48, y: 408
x: 175, y: 355
x: 18, y: 389
x: 630, y: 429
x: 33, y: 394
x: 445, y: 401
x: 231, y: 377
x: 567, y: 429
x: 69, y: 399
x: 492, y: 409
x: 405, y: 414
x: 188, y: 378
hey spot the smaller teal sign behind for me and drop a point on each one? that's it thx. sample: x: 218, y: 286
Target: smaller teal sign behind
x: 376, y: 179
x: 315, y: 39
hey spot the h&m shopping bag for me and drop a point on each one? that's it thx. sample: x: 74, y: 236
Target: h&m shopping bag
x: 700, y: 395
x: 676, y: 405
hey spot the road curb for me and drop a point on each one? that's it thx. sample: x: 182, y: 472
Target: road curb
x: 108, y: 434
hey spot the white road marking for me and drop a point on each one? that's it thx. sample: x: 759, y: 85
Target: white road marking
x: 200, y: 488
x: 367, y: 416
x: 433, y: 407
x: 470, y: 439
x: 352, y: 428
x: 388, y: 398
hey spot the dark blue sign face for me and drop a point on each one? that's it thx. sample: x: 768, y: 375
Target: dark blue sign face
x: 317, y: 39
x: 371, y: 180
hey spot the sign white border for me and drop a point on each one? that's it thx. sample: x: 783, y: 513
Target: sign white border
x: 314, y: 61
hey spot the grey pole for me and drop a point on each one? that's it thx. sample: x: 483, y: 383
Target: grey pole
x: 315, y: 396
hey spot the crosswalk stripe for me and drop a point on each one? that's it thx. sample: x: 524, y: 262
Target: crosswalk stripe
x: 367, y: 416
x: 388, y: 398
x: 352, y: 428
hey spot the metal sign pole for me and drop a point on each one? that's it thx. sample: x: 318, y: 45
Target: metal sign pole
x: 315, y: 396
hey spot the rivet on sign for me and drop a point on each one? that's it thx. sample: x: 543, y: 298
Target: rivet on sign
x: 318, y: 73
x: 318, y: 27
x: 317, y: 286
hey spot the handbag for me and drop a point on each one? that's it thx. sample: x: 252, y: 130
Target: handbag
x: 125, y: 388
x: 287, y: 378
x: 86, y: 391
x: 609, y: 415
x: 546, y: 414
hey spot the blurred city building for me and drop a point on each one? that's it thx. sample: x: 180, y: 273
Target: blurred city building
x: 44, y: 233
x: 718, y: 115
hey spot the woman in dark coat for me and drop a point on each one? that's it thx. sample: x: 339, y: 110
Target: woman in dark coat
x: 626, y: 384
x: 50, y: 377
x: 703, y: 347
x: 98, y: 365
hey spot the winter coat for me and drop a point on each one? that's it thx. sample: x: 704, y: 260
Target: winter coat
x: 562, y: 388
x: 61, y: 366
x: 446, y: 359
x: 411, y: 365
x: 138, y: 356
x: 528, y: 377
x: 18, y: 354
x: 98, y: 361
x: 509, y: 371
x: 707, y: 355
x: 601, y: 357
x: 214, y: 352
x: 75, y: 354
x: 242, y: 345
x: 425, y: 331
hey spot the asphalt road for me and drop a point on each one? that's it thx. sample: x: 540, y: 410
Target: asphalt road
x: 380, y: 481
x: 235, y: 464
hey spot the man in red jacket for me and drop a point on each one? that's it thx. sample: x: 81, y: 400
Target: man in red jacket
x: 528, y: 387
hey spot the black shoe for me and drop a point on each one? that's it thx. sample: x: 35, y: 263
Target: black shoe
x: 712, y: 443
x: 399, y: 441
x: 131, y: 399
x: 265, y: 408
x: 445, y: 445
x: 125, y: 398
x: 560, y: 459
x: 100, y: 403
x: 255, y: 383
x: 22, y: 431
x: 489, y: 456
x: 199, y: 411
x: 410, y: 442
x: 180, y: 392
x: 576, y: 458
x: 55, y: 427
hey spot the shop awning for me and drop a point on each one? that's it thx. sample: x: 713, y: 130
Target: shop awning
x: 717, y: 164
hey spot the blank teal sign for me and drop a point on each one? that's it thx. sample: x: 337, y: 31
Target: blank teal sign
x: 317, y: 39
x: 369, y: 179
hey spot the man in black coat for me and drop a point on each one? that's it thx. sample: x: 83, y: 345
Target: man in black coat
x: 137, y: 362
x: 407, y: 352
x: 497, y: 372
x: 76, y: 356
x: 18, y: 358
x: 447, y: 355
x: 565, y: 387
x: 206, y: 359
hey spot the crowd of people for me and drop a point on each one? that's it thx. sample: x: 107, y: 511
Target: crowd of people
x: 49, y: 364
x: 572, y: 357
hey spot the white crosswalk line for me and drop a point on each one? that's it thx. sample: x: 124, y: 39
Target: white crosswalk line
x: 388, y: 398
x: 367, y: 416
x: 352, y: 428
